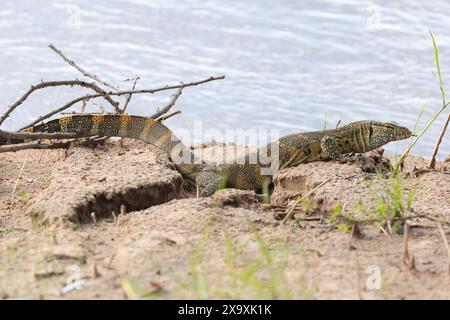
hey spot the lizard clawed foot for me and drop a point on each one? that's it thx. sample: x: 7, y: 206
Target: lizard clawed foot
x: 211, y: 182
x: 351, y: 157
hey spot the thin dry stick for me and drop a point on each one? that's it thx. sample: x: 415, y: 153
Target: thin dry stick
x: 39, y: 146
x: 166, y: 87
x: 83, y: 106
x: 407, y: 259
x: 169, y: 115
x: 121, y: 93
x: 60, y: 109
x: 46, y: 84
x: 84, y: 72
x: 432, y: 164
x: 38, y: 135
x: 18, y: 177
x: 352, y: 233
x: 399, y: 219
x: 291, y: 209
x: 444, y: 239
x: 127, y: 101
x: 102, y: 109
x: 169, y: 105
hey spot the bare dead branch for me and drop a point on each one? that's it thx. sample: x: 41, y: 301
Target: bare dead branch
x: 121, y: 93
x: 84, y: 72
x: 46, y: 84
x: 397, y: 219
x: 171, y: 103
x: 169, y: 115
x: 432, y: 164
x: 98, y: 105
x: 36, y: 145
x: 127, y: 101
x: 60, y: 109
x: 154, y: 90
x: 18, y: 176
x: 37, y: 135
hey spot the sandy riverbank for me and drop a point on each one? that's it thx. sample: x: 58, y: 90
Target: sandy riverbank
x: 169, y: 244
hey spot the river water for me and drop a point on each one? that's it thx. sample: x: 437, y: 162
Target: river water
x: 289, y: 65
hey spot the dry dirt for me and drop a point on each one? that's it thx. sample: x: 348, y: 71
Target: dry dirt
x: 116, y: 221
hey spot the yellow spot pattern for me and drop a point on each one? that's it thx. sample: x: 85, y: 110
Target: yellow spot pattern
x: 64, y: 121
x: 124, y: 119
x: 96, y: 120
x: 149, y: 123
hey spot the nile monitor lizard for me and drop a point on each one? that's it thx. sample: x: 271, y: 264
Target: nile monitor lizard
x: 252, y: 171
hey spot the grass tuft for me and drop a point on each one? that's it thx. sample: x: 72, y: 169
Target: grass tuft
x: 238, y: 273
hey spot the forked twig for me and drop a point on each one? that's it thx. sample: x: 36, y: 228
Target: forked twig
x: 171, y: 103
x: 99, y: 92
x: 19, y: 175
x: 169, y: 115
x: 122, y: 93
x: 84, y: 72
x: 127, y: 101
x: 46, y: 84
x: 432, y: 164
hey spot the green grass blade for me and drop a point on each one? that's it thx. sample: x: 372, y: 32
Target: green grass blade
x: 419, y: 117
x: 436, y: 57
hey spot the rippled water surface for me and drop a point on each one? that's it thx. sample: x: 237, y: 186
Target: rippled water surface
x: 289, y: 64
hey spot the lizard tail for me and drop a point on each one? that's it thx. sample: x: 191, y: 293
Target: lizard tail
x: 135, y: 127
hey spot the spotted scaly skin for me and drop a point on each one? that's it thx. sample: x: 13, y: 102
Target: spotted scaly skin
x: 253, y: 171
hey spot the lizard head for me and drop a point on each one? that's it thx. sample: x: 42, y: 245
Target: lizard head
x: 363, y: 136
x: 380, y: 133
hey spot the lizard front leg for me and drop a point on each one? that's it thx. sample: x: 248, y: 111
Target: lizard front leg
x: 338, y: 149
x: 210, y: 182
x: 331, y: 148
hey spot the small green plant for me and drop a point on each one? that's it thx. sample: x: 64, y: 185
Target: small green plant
x: 34, y: 218
x: 344, y: 227
x: 344, y: 223
x: 133, y: 290
x: 258, y: 276
x: 337, y: 211
x: 392, y: 204
x: 25, y: 196
x: 306, y: 203
x: 197, y: 284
